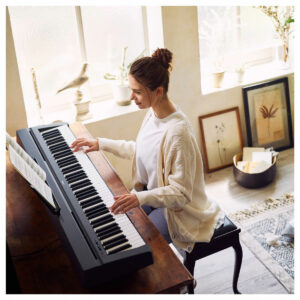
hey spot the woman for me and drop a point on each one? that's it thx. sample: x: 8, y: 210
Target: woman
x: 166, y: 162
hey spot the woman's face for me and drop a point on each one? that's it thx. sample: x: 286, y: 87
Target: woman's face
x: 141, y: 95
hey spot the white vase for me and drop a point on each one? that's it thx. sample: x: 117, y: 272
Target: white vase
x: 121, y: 94
x: 239, y: 75
x: 83, y: 110
x: 217, y: 78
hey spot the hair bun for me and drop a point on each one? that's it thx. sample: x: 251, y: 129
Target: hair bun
x: 164, y: 57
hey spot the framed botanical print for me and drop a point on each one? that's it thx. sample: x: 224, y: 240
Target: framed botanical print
x: 268, y: 114
x: 221, y: 138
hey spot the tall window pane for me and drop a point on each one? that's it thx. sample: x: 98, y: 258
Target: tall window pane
x: 45, y: 39
x: 257, y: 30
x: 106, y: 31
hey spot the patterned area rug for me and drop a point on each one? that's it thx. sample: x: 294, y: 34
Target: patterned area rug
x: 264, y: 227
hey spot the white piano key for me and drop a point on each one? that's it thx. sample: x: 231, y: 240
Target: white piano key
x: 111, y: 237
x: 99, y: 217
x: 118, y: 246
x: 122, y: 220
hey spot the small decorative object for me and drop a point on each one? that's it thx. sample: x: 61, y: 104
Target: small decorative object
x: 37, y: 95
x: 268, y: 114
x: 282, y: 17
x: 221, y: 138
x: 240, y: 71
x: 257, y: 170
x: 82, y: 106
x: 217, y: 79
x: 121, y: 90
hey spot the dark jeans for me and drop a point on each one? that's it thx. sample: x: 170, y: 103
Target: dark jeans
x: 157, y: 217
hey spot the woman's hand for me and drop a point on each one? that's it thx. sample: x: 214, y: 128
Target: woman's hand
x: 92, y: 144
x: 123, y: 203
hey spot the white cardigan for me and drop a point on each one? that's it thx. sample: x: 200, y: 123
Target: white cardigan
x: 190, y: 215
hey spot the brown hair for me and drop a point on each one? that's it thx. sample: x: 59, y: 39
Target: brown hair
x: 154, y: 71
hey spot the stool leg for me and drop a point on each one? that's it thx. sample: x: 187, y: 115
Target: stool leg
x: 189, y: 263
x: 237, y: 266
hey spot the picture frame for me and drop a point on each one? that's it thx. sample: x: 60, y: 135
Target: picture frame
x: 221, y: 138
x: 268, y: 115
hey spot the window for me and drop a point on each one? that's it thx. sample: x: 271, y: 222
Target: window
x: 56, y: 40
x: 232, y: 37
x: 226, y: 33
x: 45, y: 39
x: 104, y: 39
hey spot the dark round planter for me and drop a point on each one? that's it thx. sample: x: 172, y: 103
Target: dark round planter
x: 256, y: 180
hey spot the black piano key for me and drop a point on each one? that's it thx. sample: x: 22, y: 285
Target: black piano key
x: 57, y: 146
x: 85, y: 191
x: 55, y: 141
x: 67, y: 162
x: 81, y: 184
x: 66, y: 159
x: 109, y: 233
x: 86, y: 195
x: 72, y: 168
x: 52, y: 133
x: 97, y: 211
x: 76, y: 178
x: 91, y: 209
x: 63, y: 154
x: 102, y: 221
x: 70, y: 158
x: 107, y: 228
x: 117, y: 241
x: 59, y: 149
x: 70, y: 176
x: 91, y: 201
x: 126, y: 246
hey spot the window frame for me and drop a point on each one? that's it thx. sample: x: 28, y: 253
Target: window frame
x: 102, y: 92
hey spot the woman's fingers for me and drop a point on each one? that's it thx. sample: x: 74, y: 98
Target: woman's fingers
x: 124, y: 203
x: 92, y: 144
x: 117, y: 206
x: 79, y: 145
x: 76, y: 142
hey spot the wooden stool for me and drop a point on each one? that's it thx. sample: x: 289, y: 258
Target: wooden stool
x: 224, y: 237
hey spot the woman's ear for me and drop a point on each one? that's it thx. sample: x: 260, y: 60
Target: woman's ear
x: 160, y: 91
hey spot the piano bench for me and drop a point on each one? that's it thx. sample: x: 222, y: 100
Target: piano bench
x: 224, y: 237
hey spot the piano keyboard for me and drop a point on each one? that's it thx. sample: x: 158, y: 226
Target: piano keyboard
x: 115, y: 232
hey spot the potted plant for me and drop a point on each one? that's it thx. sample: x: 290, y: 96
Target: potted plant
x: 217, y: 71
x: 282, y: 18
x: 120, y: 87
x: 239, y: 69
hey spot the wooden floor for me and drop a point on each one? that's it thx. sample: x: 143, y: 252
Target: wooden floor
x: 214, y: 273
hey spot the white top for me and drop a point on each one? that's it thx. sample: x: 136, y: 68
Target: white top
x: 147, y: 148
x: 191, y: 215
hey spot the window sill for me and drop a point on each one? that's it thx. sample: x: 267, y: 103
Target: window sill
x: 251, y: 76
x: 99, y: 111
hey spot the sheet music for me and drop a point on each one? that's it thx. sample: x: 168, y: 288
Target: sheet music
x: 29, y: 169
x: 20, y: 151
